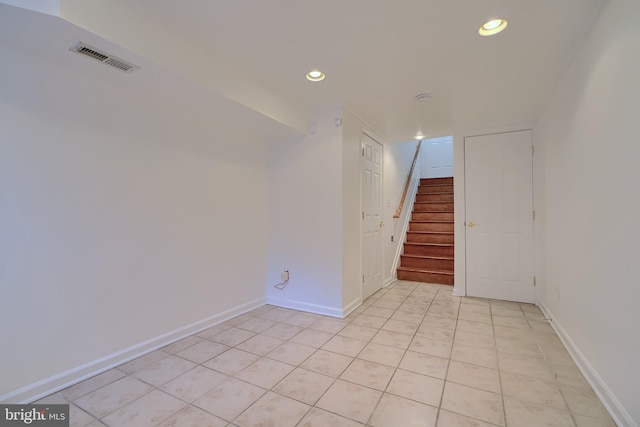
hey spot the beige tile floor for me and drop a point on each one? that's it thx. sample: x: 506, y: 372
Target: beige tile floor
x: 412, y: 355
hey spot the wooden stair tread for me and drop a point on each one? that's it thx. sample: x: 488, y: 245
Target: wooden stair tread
x: 432, y: 215
x: 438, y: 179
x: 427, y: 221
x: 429, y: 250
x: 423, y: 270
x: 430, y: 232
x: 428, y: 256
x: 429, y: 244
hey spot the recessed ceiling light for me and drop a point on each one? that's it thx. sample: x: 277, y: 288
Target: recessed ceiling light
x: 315, y: 75
x: 492, y: 27
x: 419, y: 135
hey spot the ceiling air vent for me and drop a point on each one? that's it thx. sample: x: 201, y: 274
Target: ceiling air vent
x: 105, y: 58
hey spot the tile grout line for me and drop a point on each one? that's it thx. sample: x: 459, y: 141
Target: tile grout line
x: 238, y: 326
x: 495, y: 344
x: 446, y: 374
x: 555, y: 375
x: 395, y: 369
x: 406, y: 299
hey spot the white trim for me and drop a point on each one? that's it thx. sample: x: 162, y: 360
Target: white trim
x: 367, y: 128
x: 57, y: 382
x: 459, y: 178
x: 305, y: 306
x: 369, y: 133
x: 604, y: 393
x: 459, y: 228
x: 405, y: 215
x: 394, y: 281
x: 348, y: 309
x: 455, y: 293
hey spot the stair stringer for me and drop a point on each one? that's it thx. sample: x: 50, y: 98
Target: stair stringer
x: 403, y: 220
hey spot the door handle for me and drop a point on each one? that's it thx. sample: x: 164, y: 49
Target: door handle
x: 472, y: 224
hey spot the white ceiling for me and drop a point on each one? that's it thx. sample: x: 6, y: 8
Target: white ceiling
x: 377, y: 55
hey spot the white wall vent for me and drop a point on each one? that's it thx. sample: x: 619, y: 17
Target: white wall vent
x: 105, y: 58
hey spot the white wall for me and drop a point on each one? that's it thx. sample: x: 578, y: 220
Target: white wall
x: 122, y: 228
x: 591, y: 153
x: 50, y: 7
x: 130, y: 27
x: 352, y: 132
x: 397, y: 163
x: 314, y: 215
x: 305, y: 218
x: 437, y: 157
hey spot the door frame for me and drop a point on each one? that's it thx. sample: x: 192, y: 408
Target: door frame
x: 460, y: 229
x: 522, y: 288
x: 364, y: 133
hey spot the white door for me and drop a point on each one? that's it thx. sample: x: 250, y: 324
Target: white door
x: 371, y: 187
x: 499, y: 216
x: 437, y: 157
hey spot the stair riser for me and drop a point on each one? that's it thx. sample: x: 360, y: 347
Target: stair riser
x: 433, y: 207
x: 427, y: 263
x: 431, y: 254
x: 425, y: 189
x: 429, y: 238
x: 428, y: 250
x: 434, y: 197
x: 427, y: 181
x: 425, y: 277
x: 432, y: 216
x: 431, y: 226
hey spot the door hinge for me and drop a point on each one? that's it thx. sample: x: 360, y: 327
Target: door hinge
x: 362, y: 151
x: 533, y: 150
x: 534, y: 215
x: 534, y: 280
x: 363, y: 278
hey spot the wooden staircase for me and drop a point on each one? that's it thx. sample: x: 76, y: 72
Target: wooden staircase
x: 428, y: 250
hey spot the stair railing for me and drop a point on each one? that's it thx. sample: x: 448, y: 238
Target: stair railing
x: 408, y: 183
x: 403, y: 214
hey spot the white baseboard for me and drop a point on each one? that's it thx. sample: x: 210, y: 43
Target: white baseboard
x: 457, y: 292
x: 348, y: 309
x: 604, y: 393
x: 62, y: 380
x: 305, y: 306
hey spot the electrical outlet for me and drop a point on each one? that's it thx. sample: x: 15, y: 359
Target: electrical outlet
x: 285, y: 275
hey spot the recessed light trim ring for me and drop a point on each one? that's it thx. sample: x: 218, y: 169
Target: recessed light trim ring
x: 315, y: 76
x: 493, y: 26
